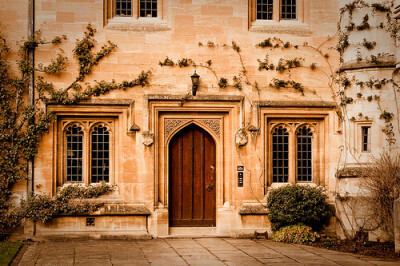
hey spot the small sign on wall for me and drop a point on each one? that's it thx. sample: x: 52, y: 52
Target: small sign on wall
x: 240, y: 169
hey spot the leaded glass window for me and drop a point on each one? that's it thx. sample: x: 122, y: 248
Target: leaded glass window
x: 100, y: 159
x: 366, y: 138
x: 304, y: 155
x: 148, y: 8
x: 265, y: 9
x: 74, y: 154
x: 280, y: 155
x: 288, y: 9
x: 123, y: 7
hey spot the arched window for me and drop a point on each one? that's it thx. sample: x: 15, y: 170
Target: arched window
x: 74, y: 154
x: 280, y: 155
x: 100, y: 155
x: 304, y: 154
x: 87, y: 147
x: 295, y: 151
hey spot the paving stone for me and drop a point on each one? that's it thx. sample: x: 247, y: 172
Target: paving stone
x: 130, y: 263
x: 52, y: 261
x: 383, y: 262
x: 201, y: 251
x: 280, y: 261
x: 205, y: 262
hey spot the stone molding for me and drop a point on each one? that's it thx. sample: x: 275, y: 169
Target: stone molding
x: 137, y: 26
x: 198, y: 98
x: 350, y: 172
x: 172, y: 124
x: 253, y: 209
x: 298, y: 30
x: 315, y: 104
x: 385, y: 62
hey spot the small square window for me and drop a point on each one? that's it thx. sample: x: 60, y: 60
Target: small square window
x: 275, y: 16
x: 123, y: 8
x: 148, y: 8
x: 288, y: 9
x: 131, y: 8
x: 274, y: 9
x: 90, y: 221
x: 265, y: 9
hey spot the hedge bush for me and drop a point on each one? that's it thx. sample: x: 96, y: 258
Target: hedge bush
x: 295, y: 204
x: 295, y: 234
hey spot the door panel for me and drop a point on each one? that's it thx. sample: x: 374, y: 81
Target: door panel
x: 192, y: 178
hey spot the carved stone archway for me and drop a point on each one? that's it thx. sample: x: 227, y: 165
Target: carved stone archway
x: 172, y: 125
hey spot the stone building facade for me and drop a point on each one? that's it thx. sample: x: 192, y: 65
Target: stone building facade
x: 201, y: 164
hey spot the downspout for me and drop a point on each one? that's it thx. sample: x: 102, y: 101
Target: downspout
x: 31, y: 82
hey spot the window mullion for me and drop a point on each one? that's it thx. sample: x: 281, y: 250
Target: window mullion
x: 160, y: 9
x: 111, y: 155
x: 135, y: 8
x: 276, y: 10
x: 300, y: 10
x: 315, y: 148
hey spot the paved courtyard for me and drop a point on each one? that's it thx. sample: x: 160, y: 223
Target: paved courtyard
x: 198, y: 251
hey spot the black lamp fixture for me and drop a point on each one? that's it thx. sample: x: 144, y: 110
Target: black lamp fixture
x: 195, y: 82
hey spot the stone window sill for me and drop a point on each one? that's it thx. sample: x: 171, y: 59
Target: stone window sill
x: 282, y: 184
x: 350, y: 172
x: 252, y: 209
x: 140, y: 24
x: 281, y: 27
x: 115, y: 208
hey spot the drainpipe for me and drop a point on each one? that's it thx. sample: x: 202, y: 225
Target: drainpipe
x: 31, y: 88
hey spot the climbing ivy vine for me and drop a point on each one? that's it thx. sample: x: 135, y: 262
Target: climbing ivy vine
x: 346, y: 13
x: 21, y: 124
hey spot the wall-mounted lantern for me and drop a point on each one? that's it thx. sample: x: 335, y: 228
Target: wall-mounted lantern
x: 195, y: 82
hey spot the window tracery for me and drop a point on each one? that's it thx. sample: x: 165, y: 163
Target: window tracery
x: 292, y: 151
x: 87, y: 151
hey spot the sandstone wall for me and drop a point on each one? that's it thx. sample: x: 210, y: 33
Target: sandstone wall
x: 176, y: 34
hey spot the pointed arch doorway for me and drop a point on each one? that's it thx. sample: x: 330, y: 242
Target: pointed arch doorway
x: 192, y: 190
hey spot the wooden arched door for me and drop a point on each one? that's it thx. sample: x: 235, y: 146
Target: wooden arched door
x: 192, y: 178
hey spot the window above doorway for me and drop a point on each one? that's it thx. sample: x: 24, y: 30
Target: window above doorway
x: 278, y: 16
x: 135, y: 8
x: 134, y: 15
x: 276, y: 9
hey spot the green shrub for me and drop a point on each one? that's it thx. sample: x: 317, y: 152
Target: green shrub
x: 327, y: 243
x: 44, y: 208
x: 295, y: 204
x: 295, y: 234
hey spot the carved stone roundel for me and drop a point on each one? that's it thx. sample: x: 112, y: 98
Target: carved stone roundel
x: 172, y: 124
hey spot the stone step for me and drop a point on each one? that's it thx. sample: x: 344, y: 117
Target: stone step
x: 193, y: 232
